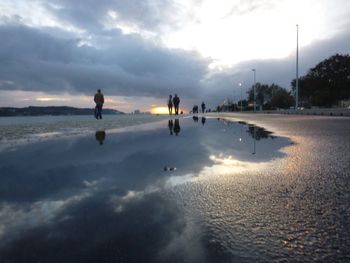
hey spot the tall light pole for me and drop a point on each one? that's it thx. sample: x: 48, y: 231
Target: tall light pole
x: 254, y: 85
x: 240, y: 84
x: 297, y: 73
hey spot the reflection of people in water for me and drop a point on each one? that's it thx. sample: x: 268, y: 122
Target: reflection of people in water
x: 100, y: 136
x: 177, y: 127
x: 195, y: 118
x: 171, y: 126
x: 203, y: 120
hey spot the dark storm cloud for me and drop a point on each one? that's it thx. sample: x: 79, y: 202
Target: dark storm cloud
x: 32, y: 59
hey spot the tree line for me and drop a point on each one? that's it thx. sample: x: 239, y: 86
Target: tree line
x: 324, y: 85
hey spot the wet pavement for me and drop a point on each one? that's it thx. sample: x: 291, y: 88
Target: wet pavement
x: 182, y: 190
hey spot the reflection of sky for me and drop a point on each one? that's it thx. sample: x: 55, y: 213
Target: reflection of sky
x: 105, y: 197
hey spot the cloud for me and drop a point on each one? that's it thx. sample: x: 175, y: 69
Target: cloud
x: 245, y: 7
x: 66, y: 47
x: 126, y: 65
x: 223, y: 83
x: 93, y: 15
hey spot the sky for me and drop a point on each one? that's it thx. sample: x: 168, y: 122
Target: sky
x: 59, y: 52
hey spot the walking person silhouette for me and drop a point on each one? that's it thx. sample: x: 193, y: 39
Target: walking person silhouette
x: 176, y: 102
x: 203, y: 107
x: 99, y: 100
x: 170, y: 104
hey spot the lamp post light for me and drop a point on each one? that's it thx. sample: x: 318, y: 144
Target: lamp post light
x: 297, y: 73
x: 240, y: 84
x: 254, y: 70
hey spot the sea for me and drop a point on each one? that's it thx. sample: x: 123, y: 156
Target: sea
x: 24, y: 129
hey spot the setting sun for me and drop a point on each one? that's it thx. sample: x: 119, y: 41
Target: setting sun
x: 163, y: 110
x: 159, y: 110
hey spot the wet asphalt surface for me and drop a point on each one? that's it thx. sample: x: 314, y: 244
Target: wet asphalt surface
x: 257, y: 188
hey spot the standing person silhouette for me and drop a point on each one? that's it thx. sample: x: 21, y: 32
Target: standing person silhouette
x: 203, y: 107
x: 170, y: 104
x: 176, y: 102
x: 99, y: 100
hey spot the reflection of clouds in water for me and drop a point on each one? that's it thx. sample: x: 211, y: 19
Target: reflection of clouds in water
x: 120, y: 202
x: 147, y: 223
x: 121, y: 188
x: 222, y: 165
x: 16, y: 219
x: 229, y: 165
x: 186, y: 245
x: 129, y: 159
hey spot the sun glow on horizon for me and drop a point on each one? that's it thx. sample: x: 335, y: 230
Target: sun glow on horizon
x: 51, y: 99
x: 162, y: 110
x: 159, y: 110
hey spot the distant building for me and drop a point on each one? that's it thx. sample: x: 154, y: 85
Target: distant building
x: 137, y: 112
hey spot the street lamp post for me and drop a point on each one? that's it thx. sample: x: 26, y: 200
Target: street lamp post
x: 240, y: 84
x: 297, y: 73
x: 254, y: 70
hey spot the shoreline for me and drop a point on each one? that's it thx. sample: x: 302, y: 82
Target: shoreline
x: 34, y: 129
x: 15, y: 134
x: 317, y: 112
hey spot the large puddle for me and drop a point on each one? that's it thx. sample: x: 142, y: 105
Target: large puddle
x: 124, y: 196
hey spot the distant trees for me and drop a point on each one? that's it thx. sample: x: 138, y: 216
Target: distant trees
x: 271, y: 96
x: 327, y: 83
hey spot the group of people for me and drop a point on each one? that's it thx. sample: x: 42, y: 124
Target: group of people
x: 195, y: 108
x: 173, y: 102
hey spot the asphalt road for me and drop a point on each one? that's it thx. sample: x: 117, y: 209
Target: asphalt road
x: 300, y: 209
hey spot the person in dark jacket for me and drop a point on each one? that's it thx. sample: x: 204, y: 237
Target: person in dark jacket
x: 170, y: 104
x: 99, y: 100
x: 176, y: 102
x: 203, y: 107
